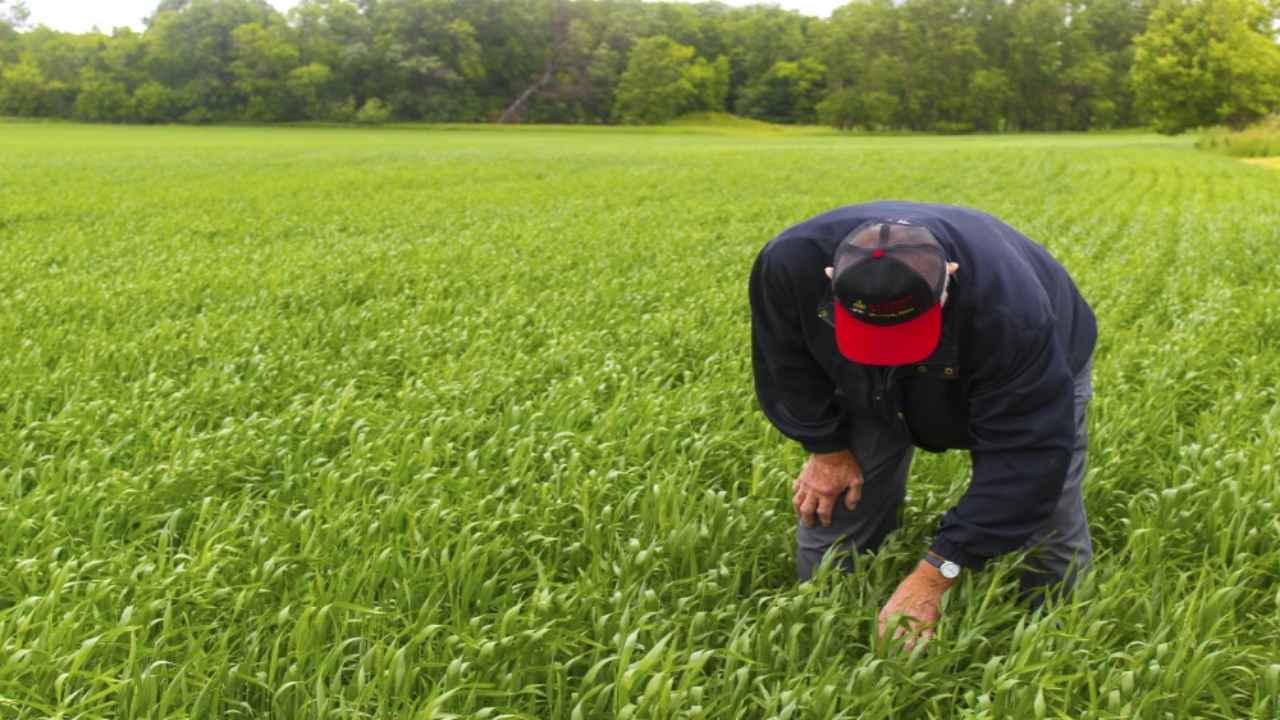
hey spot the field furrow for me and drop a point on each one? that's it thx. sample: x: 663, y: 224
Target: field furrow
x: 353, y: 423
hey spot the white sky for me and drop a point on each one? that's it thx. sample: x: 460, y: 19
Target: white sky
x: 81, y: 15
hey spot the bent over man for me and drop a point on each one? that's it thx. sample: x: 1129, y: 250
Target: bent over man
x: 888, y: 326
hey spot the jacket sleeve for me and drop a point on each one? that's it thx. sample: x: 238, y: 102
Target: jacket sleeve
x: 1022, y: 420
x: 795, y: 392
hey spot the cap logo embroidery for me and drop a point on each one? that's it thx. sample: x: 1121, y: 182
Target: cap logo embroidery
x: 893, y: 308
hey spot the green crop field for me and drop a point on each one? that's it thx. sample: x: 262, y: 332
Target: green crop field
x: 406, y: 423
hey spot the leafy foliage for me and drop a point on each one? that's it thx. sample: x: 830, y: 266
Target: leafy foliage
x: 788, y: 92
x: 663, y: 80
x: 656, y: 86
x: 1208, y: 62
x: 373, y: 112
x: 951, y: 65
x: 24, y: 91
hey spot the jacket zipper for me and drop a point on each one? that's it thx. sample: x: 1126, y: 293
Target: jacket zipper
x: 886, y: 402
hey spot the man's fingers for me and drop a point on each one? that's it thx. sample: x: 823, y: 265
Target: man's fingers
x: 918, y: 638
x: 852, y: 496
x: 854, y: 492
x: 826, y: 504
x: 807, y: 507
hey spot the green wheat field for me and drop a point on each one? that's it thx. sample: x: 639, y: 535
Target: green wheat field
x: 458, y: 422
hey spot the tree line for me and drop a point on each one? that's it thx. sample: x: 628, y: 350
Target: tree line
x: 926, y: 65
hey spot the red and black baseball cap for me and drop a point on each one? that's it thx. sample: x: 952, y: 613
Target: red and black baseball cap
x: 888, y: 280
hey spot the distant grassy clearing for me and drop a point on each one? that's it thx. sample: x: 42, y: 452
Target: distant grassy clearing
x: 329, y: 423
x: 1260, y: 140
x: 1273, y: 162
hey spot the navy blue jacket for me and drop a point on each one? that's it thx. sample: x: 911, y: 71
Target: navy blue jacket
x: 1015, y: 331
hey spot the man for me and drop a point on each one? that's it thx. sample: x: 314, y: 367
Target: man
x: 881, y: 327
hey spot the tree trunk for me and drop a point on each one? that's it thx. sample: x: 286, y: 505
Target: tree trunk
x: 513, y: 110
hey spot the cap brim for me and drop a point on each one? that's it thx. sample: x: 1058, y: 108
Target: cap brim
x: 901, y: 344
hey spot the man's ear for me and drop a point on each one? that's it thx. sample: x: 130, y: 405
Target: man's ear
x: 830, y: 270
x: 951, y: 268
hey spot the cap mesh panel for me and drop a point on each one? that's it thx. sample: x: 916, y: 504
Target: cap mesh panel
x: 910, y: 245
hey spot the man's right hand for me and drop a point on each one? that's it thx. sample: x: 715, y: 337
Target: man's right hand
x: 820, y: 483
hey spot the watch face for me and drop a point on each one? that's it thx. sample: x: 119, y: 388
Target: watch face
x: 949, y: 570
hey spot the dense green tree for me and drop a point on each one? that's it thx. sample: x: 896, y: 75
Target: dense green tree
x: 564, y: 41
x: 1085, y: 100
x: 60, y: 58
x: 990, y: 94
x: 862, y: 48
x: 992, y: 21
x: 102, y: 99
x: 656, y: 85
x: 432, y: 60
x: 756, y: 38
x: 1036, y: 61
x: 190, y: 48
x: 982, y: 64
x: 590, y: 52
x: 122, y: 56
x: 1203, y: 62
x: 849, y: 108
x: 153, y: 102
x: 788, y: 93
x: 603, y: 36
x: 373, y: 112
x: 24, y: 91
x: 13, y: 16
x: 947, y: 65
x: 1099, y: 53
x: 940, y: 47
x: 310, y: 89
x: 261, y: 62
x: 710, y: 82
x: 336, y: 34
x: 683, y: 23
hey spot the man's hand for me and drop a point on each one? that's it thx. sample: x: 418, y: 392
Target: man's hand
x: 917, y: 599
x: 823, y: 478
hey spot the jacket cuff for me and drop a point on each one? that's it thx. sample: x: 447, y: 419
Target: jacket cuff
x: 831, y: 444
x: 950, y: 551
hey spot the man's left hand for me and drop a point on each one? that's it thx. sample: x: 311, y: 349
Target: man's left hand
x: 917, y: 598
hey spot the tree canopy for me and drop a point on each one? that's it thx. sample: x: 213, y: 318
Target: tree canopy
x: 1208, y: 62
x: 930, y: 65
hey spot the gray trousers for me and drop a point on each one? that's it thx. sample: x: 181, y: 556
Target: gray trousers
x: 1058, y: 551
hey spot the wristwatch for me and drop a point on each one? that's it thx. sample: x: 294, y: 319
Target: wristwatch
x: 946, y: 568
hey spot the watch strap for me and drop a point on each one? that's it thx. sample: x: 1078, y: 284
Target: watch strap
x: 950, y: 572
